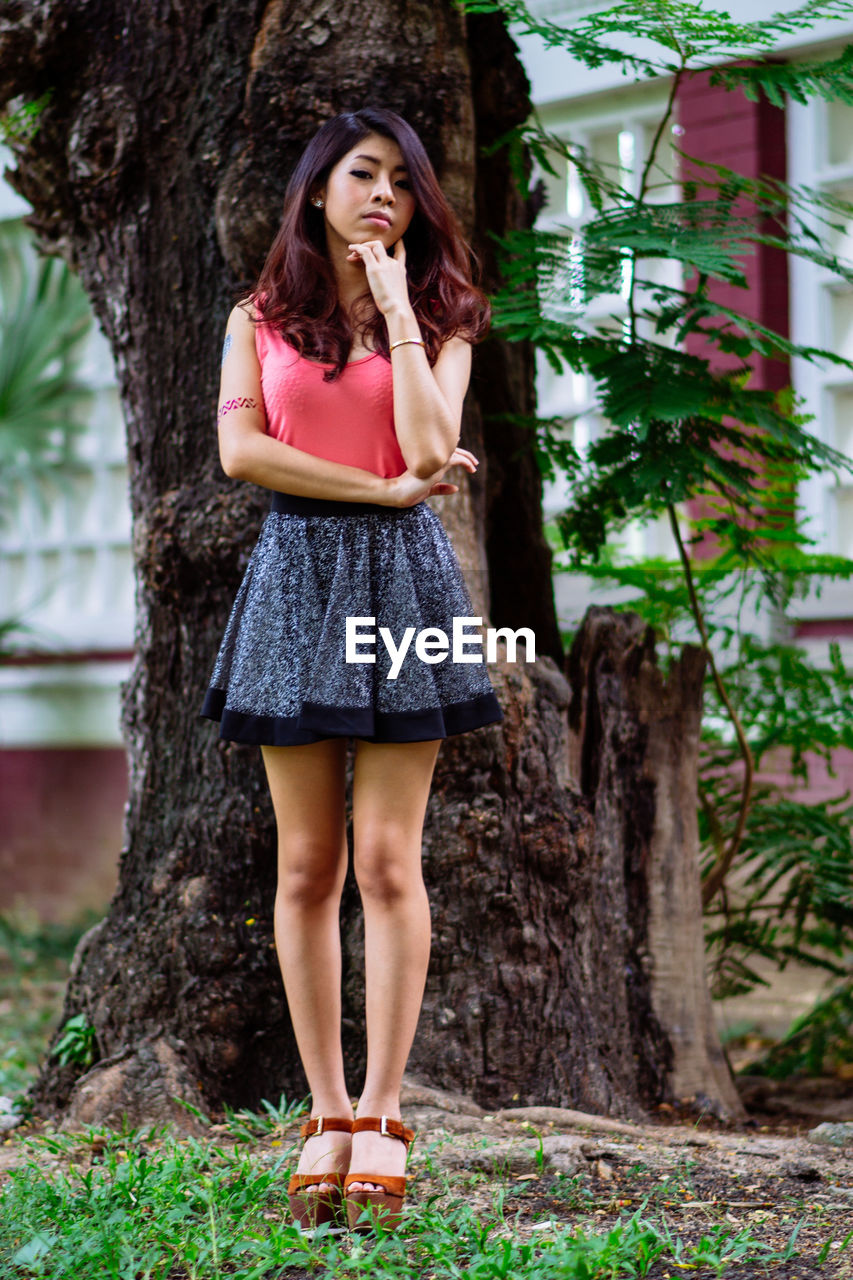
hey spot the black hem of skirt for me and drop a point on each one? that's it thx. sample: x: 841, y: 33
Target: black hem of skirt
x: 318, y: 723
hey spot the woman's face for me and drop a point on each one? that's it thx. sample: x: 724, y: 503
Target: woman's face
x: 367, y: 195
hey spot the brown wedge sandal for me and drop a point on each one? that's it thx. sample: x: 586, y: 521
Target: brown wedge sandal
x: 385, y: 1204
x: 311, y: 1209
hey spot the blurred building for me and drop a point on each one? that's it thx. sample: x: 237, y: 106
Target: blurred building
x: 66, y: 575
x: 66, y: 570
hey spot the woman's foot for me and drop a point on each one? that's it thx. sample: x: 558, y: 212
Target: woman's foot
x: 373, y: 1196
x: 326, y: 1152
x: 314, y: 1192
x: 376, y: 1153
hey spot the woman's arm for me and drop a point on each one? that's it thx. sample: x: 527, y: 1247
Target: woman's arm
x: 427, y: 401
x: 248, y: 453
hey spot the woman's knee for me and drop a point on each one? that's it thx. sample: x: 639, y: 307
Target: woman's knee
x: 309, y: 873
x: 386, y: 867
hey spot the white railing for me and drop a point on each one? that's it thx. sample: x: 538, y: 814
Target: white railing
x: 558, y: 8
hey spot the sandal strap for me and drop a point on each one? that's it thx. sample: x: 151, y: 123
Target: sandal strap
x: 391, y: 1186
x: 384, y: 1125
x: 299, y: 1181
x: 322, y: 1124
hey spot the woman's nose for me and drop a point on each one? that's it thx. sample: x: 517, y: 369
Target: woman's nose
x: 383, y: 191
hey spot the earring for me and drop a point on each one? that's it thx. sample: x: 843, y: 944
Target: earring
x: 317, y: 203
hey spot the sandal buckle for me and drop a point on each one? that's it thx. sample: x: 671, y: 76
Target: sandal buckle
x: 319, y: 1128
x: 383, y: 1126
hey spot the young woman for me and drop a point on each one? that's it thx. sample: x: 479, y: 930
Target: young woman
x: 343, y: 378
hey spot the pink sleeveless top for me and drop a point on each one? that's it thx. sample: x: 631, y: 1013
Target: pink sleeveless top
x: 350, y: 420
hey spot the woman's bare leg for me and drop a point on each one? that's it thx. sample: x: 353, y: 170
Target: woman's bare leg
x: 391, y: 784
x: 307, y: 784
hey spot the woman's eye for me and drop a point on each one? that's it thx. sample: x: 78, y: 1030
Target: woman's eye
x: 360, y: 173
x: 407, y: 186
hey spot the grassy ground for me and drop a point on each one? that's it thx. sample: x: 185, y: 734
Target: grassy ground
x: 120, y: 1205
x: 142, y: 1204
x: 145, y: 1204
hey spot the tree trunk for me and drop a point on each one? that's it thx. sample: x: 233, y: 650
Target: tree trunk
x: 158, y: 172
x: 519, y: 558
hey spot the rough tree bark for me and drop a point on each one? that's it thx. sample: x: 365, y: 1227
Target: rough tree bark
x: 157, y: 172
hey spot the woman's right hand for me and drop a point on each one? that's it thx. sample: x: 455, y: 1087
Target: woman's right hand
x: 407, y: 489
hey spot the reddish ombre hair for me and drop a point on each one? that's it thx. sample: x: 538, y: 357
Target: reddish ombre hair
x: 297, y: 292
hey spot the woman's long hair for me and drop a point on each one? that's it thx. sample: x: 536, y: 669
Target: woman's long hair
x: 297, y: 290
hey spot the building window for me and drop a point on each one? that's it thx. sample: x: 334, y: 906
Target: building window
x: 620, y: 141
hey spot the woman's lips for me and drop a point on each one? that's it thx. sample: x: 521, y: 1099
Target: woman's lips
x: 378, y: 219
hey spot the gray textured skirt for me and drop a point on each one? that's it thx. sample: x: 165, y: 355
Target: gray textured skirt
x: 282, y: 676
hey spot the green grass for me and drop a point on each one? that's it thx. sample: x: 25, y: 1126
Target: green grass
x: 146, y: 1205
x: 34, y: 960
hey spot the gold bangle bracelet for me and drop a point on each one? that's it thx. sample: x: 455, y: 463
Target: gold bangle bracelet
x: 418, y: 342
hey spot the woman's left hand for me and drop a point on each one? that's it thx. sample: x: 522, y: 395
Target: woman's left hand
x: 386, y: 276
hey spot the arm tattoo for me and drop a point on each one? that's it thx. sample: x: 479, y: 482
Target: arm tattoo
x: 241, y: 402
x: 226, y: 347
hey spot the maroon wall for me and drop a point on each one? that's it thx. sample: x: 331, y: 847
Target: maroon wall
x: 726, y: 128
x: 61, y: 812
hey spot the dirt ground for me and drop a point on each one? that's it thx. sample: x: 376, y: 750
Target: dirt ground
x: 766, y: 1174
